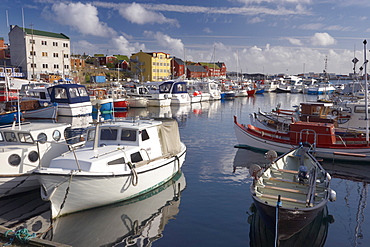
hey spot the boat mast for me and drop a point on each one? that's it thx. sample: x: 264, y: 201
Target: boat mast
x: 366, y: 95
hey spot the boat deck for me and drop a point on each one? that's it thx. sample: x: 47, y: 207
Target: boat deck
x: 285, y: 183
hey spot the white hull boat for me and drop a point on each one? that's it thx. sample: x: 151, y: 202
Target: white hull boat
x: 25, y: 148
x: 127, y: 159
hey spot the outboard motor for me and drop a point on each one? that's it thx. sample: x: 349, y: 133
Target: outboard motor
x: 302, y: 174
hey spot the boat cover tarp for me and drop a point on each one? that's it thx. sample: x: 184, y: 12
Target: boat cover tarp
x: 169, y: 136
x: 69, y: 93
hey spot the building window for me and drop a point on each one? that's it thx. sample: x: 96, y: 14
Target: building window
x: 45, y: 66
x: 55, y: 54
x: 32, y: 53
x: 56, y: 66
x: 44, y: 54
x: 65, y: 55
x: 32, y: 41
x: 43, y: 42
x: 33, y: 65
x: 66, y: 66
x: 65, y: 44
x: 55, y: 43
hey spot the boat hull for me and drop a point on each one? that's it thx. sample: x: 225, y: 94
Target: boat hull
x: 264, y: 142
x: 75, y: 109
x: 89, y: 190
x: 49, y: 112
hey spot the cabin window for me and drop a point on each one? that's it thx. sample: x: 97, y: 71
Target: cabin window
x: 136, y: 157
x: 117, y: 161
x: 108, y: 134
x: 82, y: 91
x: 90, y: 135
x: 128, y: 135
x: 360, y: 109
x: 60, y: 93
x: 10, y: 137
x: 73, y: 92
x: 27, y: 138
x: 42, y: 95
x: 144, y: 135
x: 42, y: 138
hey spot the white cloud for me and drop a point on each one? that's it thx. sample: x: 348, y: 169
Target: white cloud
x: 322, y: 39
x: 256, y: 20
x: 174, y: 46
x: 294, y: 41
x: 136, y: 13
x: 123, y: 46
x: 82, y: 17
x: 207, y: 30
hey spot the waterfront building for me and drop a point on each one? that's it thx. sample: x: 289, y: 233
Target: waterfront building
x: 39, y: 53
x: 151, y: 66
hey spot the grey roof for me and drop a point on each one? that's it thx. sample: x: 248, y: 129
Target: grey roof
x: 195, y: 68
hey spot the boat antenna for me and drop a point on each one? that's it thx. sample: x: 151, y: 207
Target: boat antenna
x: 366, y: 95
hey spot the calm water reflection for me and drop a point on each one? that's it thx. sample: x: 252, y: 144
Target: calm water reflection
x: 215, y: 205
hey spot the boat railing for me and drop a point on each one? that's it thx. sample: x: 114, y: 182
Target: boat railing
x: 312, y: 188
x: 307, y: 133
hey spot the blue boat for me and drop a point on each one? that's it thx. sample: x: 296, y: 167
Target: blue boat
x: 10, y: 117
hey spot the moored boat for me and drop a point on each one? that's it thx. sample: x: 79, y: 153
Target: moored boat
x: 120, y: 160
x: 24, y: 148
x: 326, y: 143
x: 291, y: 191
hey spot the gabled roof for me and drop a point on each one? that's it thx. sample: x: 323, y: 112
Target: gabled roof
x: 179, y: 61
x: 195, y: 68
x: 43, y: 33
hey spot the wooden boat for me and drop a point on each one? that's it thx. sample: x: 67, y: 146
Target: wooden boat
x: 34, y: 109
x: 291, y: 191
x: 326, y: 143
x: 120, y: 160
x: 9, y: 117
x: 314, y: 234
x: 100, y: 96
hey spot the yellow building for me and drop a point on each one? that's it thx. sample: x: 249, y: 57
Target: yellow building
x: 151, y: 66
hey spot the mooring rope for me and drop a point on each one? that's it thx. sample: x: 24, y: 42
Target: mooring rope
x: 22, y: 235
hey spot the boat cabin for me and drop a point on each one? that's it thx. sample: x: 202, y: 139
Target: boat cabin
x: 68, y: 93
x: 312, y: 132
x: 155, y: 138
x: 317, y: 112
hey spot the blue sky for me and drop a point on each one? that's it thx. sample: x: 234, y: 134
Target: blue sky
x: 253, y: 36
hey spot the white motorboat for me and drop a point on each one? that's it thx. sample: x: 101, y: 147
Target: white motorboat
x: 24, y: 148
x: 140, y: 220
x: 178, y: 91
x: 120, y: 160
x: 72, y: 99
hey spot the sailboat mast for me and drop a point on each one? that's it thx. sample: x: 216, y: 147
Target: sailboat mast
x: 366, y: 95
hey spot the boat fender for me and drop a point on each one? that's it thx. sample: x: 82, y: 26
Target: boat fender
x: 255, y: 171
x: 332, y: 195
x: 334, y: 112
x: 271, y: 155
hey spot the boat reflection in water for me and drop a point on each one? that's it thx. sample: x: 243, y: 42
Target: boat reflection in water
x: 314, y: 234
x: 137, y: 222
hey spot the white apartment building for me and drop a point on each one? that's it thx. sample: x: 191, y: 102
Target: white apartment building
x: 39, y: 53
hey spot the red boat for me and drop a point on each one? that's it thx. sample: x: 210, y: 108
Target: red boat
x: 8, y: 95
x: 322, y: 136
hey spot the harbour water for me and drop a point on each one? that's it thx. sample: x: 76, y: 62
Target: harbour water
x: 209, y: 203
